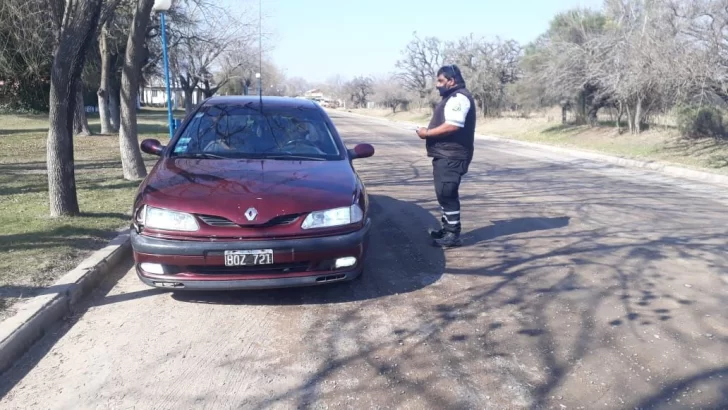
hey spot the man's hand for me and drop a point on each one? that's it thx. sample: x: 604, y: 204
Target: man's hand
x: 437, y: 132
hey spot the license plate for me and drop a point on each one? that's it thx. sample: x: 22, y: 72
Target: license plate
x: 249, y: 258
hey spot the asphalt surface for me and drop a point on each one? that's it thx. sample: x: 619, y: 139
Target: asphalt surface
x: 580, y: 285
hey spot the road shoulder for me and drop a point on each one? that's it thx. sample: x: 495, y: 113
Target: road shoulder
x: 36, y: 316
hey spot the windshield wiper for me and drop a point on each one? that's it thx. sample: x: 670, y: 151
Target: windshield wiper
x: 200, y: 155
x: 293, y: 157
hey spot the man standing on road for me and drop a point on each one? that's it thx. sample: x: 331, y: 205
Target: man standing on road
x: 450, y: 143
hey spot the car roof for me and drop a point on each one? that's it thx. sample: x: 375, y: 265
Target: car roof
x: 270, y: 101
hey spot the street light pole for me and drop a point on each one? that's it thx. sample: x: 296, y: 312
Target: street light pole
x: 259, y: 75
x: 163, y: 6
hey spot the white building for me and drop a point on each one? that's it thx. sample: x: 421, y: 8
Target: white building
x: 154, y: 94
x: 325, y: 101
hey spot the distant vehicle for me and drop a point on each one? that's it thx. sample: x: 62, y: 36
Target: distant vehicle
x: 251, y: 196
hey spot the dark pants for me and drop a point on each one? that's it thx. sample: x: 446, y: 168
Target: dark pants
x: 448, y: 173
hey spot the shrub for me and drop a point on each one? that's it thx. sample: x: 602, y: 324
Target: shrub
x: 700, y: 122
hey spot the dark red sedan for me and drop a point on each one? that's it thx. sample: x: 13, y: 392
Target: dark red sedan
x: 251, y: 195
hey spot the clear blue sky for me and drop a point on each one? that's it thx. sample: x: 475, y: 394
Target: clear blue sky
x: 316, y: 39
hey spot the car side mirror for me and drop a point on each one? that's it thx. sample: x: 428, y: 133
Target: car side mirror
x: 361, y: 151
x: 152, y: 147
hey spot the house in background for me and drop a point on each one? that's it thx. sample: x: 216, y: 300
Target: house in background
x: 315, y: 95
x: 154, y: 94
x: 323, y: 100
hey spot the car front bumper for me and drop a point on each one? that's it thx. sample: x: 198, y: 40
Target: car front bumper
x: 199, y: 265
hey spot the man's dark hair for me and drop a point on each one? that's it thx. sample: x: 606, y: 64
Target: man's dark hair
x: 452, y: 72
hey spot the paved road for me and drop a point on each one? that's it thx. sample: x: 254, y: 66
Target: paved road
x: 580, y: 286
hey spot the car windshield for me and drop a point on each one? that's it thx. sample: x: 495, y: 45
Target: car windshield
x: 241, y: 131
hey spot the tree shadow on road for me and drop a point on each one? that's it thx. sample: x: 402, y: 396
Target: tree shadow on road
x: 513, y: 227
x: 541, y: 311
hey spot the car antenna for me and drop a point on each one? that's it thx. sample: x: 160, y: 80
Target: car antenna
x: 260, y: 53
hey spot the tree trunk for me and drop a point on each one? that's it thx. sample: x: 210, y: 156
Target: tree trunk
x: 564, y: 110
x: 132, y: 163
x: 115, y: 94
x: 188, y: 102
x: 115, y: 107
x: 104, y: 86
x: 593, y: 111
x: 69, y: 55
x: 188, y: 85
x: 620, y: 111
x: 580, y: 113
x: 60, y: 162
x: 80, y: 121
x: 630, y: 118
x: 210, y: 92
x: 638, y: 116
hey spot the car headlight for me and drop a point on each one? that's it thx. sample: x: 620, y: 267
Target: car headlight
x: 333, y: 217
x: 157, y: 218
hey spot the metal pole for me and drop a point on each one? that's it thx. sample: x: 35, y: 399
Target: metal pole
x: 170, y: 117
x: 260, y: 50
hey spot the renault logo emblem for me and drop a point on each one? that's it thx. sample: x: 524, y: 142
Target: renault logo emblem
x: 251, y: 213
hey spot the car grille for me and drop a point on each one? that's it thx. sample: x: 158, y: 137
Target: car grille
x: 233, y: 270
x: 224, y: 222
x: 216, y: 221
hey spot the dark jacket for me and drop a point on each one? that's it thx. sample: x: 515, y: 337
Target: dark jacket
x: 460, y: 144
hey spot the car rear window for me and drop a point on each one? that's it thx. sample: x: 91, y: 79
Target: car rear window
x: 242, y: 131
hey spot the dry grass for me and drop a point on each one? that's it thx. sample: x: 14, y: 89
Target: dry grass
x: 661, y: 143
x: 34, y: 249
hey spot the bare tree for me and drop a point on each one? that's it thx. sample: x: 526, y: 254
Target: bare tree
x: 704, y: 23
x: 335, y: 86
x: 638, y: 57
x: 132, y: 162
x: 207, y: 48
x: 559, y: 62
x: 236, y: 72
x: 27, y: 40
x: 297, y: 86
x: 488, y: 67
x: 647, y: 64
x: 75, y: 23
x: 138, y: 59
x: 188, y: 62
x: 109, y: 42
x: 421, y: 59
x: 389, y: 92
x: 209, y: 86
x: 104, y: 91
x: 80, y: 120
x: 359, y: 89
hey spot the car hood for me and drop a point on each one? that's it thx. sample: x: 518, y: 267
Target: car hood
x: 228, y: 188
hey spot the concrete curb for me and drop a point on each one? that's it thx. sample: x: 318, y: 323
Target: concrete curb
x: 38, y: 315
x: 662, y: 167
